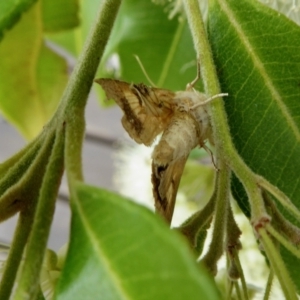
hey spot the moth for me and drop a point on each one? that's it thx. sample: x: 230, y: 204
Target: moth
x: 182, y: 119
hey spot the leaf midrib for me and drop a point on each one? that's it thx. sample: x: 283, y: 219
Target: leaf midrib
x: 97, y: 246
x: 259, y: 66
x: 170, y: 56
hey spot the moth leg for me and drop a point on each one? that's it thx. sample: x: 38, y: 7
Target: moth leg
x: 211, y: 156
x: 190, y: 86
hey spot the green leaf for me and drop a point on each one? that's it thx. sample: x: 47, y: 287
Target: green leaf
x: 52, y: 78
x: 257, y: 55
x: 164, y: 46
x: 197, y: 182
x: 120, y: 250
x: 32, y: 77
x: 10, y: 13
x: 73, y: 40
x: 65, y: 40
x: 59, y: 16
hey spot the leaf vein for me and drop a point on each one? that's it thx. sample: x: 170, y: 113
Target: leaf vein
x: 96, y: 245
x: 263, y: 72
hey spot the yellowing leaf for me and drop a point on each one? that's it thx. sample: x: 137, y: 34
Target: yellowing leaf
x: 32, y: 77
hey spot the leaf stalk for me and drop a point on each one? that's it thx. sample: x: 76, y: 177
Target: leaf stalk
x: 217, y: 244
x: 278, y: 266
x: 75, y: 96
x: 28, y: 286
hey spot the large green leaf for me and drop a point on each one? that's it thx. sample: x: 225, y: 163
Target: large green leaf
x: 163, y: 45
x: 257, y: 54
x: 73, y: 40
x: 120, y: 250
x: 59, y: 15
x: 10, y: 13
x: 31, y: 76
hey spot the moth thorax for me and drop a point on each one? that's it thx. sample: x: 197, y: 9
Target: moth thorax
x: 193, y: 97
x: 201, y: 116
x: 186, y: 99
x: 185, y: 137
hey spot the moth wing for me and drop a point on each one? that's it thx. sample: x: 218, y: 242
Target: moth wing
x: 169, y: 158
x: 146, y: 110
x: 165, y: 181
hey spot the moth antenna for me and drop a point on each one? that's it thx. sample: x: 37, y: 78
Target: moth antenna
x: 209, y: 100
x: 144, y: 70
x: 190, y: 86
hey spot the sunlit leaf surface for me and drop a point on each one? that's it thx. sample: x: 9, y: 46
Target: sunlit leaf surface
x: 120, y: 250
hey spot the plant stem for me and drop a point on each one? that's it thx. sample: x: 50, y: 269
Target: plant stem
x: 233, y: 233
x: 18, y: 167
x: 279, y: 195
x: 269, y: 285
x: 76, y: 93
x: 216, y: 247
x: 28, y: 286
x: 278, y: 266
x: 230, y: 289
x: 285, y: 228
x: 24, y: 179
x: 286, y: 243
x: 16, y: 158
x: 221, y: 132
x: 238, y: 290
x: 15, y: 254
x: 198, y: 221
x: 26, y: 189
x: 243, y: 280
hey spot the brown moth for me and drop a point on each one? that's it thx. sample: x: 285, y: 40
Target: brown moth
x: 182, y: 119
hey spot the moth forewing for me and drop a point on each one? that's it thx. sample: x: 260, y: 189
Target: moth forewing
x: 169, y: 157
x: 158, y: 102
x: 147, y: 111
